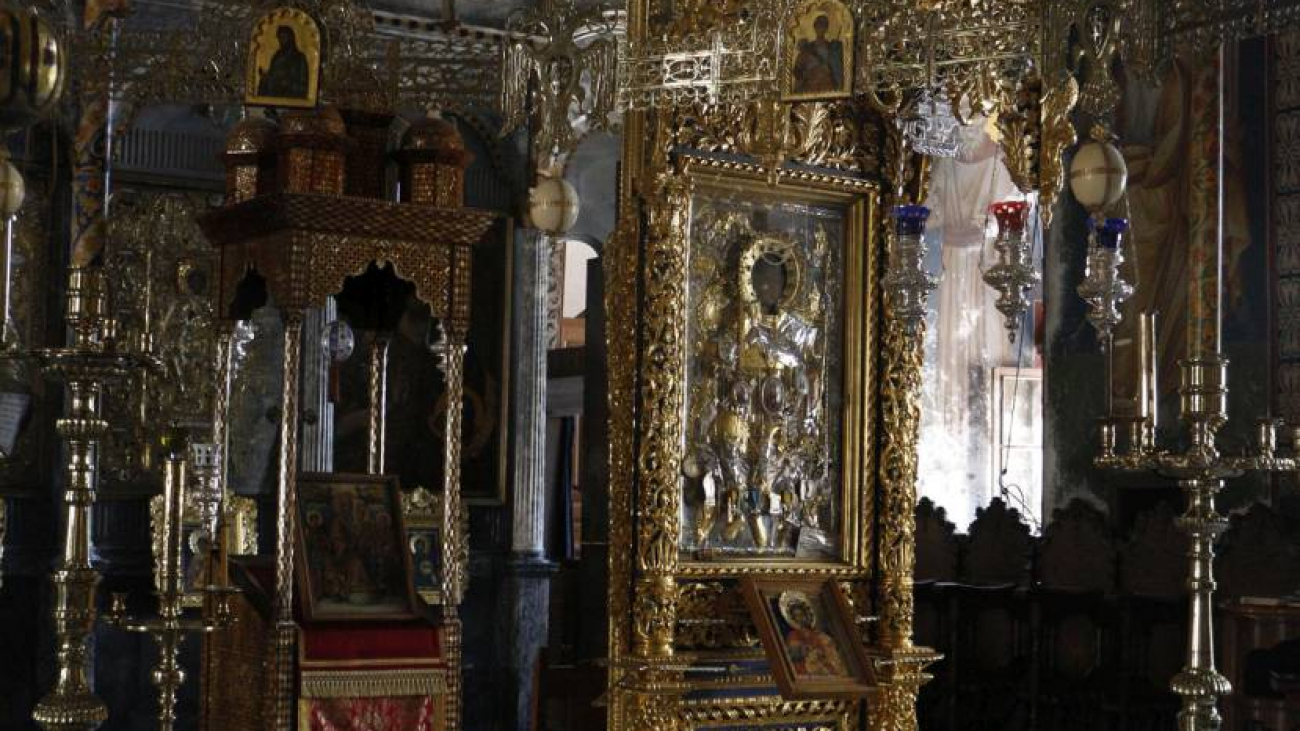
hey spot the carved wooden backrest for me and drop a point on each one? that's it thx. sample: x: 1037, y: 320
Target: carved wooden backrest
x: 1258, y: 556
x: 1000, y: 548
x: 936, y: 543
x: 1153, y: 559
x: 1077, y: 550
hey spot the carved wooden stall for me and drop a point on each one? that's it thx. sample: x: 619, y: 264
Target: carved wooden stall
x: 1084, y: 626
x: 291, y: 237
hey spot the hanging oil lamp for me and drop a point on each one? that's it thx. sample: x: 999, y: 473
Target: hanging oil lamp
x: 907, y: 283
x: 1013, y: 276
x: 1102, y: 288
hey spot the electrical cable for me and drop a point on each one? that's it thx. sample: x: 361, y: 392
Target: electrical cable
x: 1005, y: 488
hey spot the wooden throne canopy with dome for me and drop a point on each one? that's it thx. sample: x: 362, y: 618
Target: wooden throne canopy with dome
x: 291, y: 234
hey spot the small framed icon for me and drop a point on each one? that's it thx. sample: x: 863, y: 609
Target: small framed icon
x: 819, y: 52
x: 284, y: 60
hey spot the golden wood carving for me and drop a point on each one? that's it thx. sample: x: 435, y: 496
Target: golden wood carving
x: 1035, y: 131
x: 347, y: 684
x: 662, y: 397
x: 712, y: 616
x: 668, y: 609
x: 620, y: 261
x: 901, y: 669
x: 1057, y: 133
x: 837, y: 715
x: 835, y: 135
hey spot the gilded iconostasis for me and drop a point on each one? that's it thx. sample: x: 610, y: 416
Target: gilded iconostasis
x: 762, y: 364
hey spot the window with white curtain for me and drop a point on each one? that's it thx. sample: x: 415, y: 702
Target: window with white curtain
x: 976, y: 382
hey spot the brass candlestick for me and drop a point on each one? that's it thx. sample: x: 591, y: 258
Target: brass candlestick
x: 89, y: 362
x: 1200, y: 468
x: 170, y: 626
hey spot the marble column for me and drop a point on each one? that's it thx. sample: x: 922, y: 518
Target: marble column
x: 317, y: 428
x: 528, y: 572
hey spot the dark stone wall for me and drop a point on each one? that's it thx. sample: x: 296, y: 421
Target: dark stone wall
x: 1074, y: 364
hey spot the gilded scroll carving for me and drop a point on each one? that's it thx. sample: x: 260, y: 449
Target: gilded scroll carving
x: 661, y: 407
x: 1035, y: 131
x: 712, y: 615
x: 832, y: 135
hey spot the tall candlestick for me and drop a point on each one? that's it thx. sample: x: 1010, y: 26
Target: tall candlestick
x: 1141, y: 392
x: 1149, y: 378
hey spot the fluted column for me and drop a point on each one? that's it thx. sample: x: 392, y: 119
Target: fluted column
x: 527, y: 589
x: 318, y: 413
x: 528, y: 478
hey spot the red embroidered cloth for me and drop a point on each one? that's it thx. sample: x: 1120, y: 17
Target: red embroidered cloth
x: 410, y: 713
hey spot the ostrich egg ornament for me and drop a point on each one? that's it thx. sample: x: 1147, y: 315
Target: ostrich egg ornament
x: 553, y: 205
x: 1098, y: 175
x: 34, y: 66
x: 12, y: 189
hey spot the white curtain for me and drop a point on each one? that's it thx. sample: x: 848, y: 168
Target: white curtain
x: 965, y: 337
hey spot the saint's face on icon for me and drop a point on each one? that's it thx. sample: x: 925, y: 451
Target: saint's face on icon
x: 287, y: 75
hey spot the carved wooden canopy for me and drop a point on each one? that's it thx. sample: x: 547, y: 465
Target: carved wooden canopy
x: 305, y: 246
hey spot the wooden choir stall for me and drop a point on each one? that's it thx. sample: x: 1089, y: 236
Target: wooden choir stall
x: 338, y: 619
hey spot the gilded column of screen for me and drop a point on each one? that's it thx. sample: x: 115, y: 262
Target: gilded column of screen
x: 658, y: 530
x: 378, y: 404
x: 285, y: 629
x: 658, y: 521
x: 893, y: 707
x: 620, y: 261
x: 620, y: 288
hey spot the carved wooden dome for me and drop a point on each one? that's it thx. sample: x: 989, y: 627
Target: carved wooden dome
x: 252, y: 136
x: 438, y: 139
